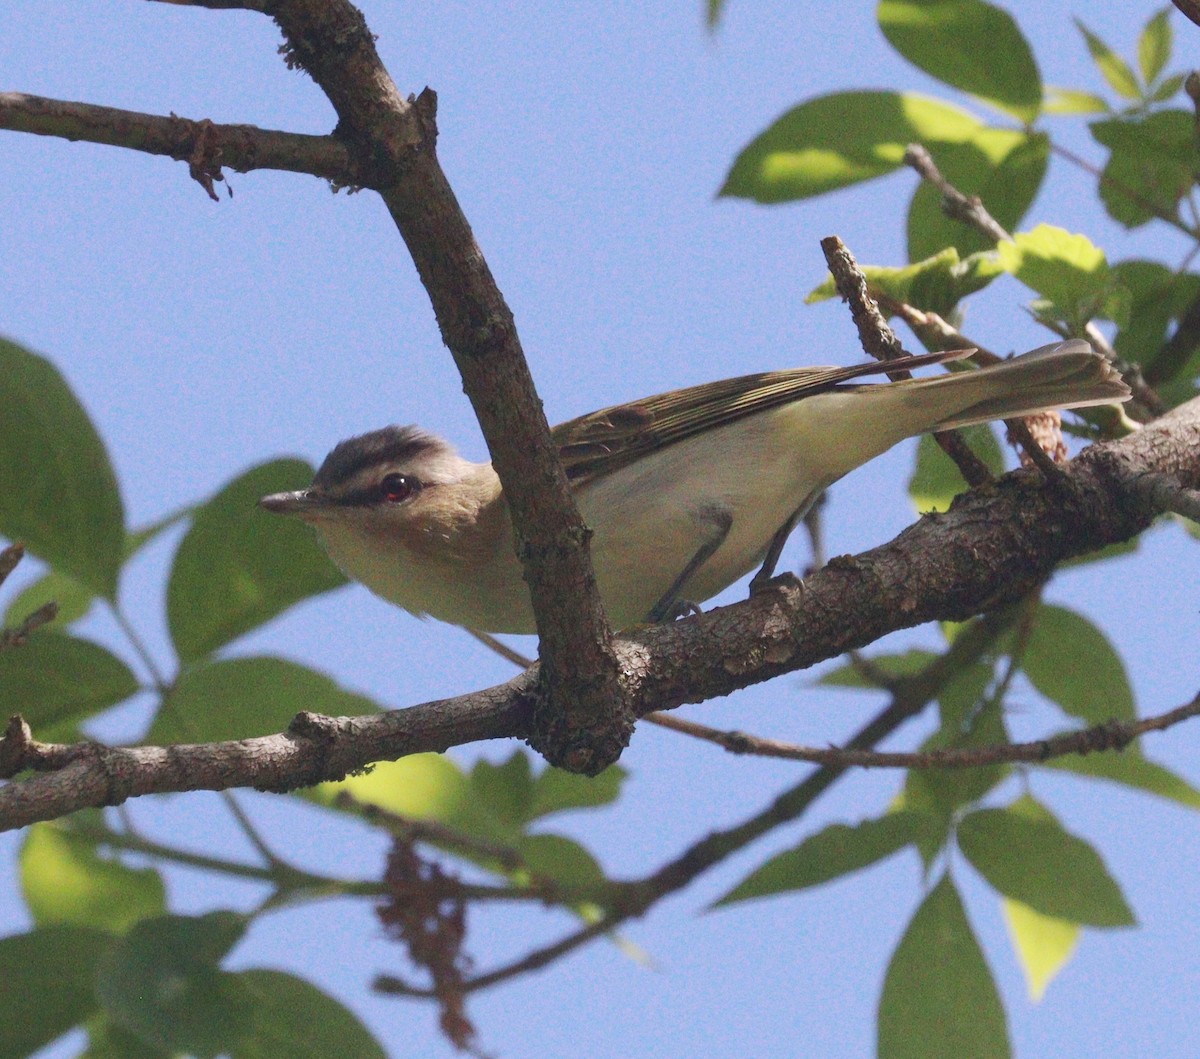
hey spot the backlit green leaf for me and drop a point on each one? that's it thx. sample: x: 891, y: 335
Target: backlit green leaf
x: 64, y: 880
x: 239, y: 566
x: 1073, y: 101
x: 939, y: 999
x: 1154, y: 46
x: 1116, y: 70
x: 58, y: 492
x: 1069, y: 271
x: 1043, y: 944
x: 556, y: 790
x: 970, y: 45
x: 1151, y: 167
x: 1131, y: 769
x: 73, y: 599
x: 837, y: 140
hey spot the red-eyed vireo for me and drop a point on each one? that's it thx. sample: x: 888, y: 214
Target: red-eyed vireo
x: 684, y: 492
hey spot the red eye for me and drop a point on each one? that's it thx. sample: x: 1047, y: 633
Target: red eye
x: 396, y: 488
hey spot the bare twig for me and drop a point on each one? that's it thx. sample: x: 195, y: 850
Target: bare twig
x: 9, y: 558
x: 205, y: 146
x: 17, y: 637
x: 1112, y: 735
x: 880, y: 342
x: 966, y: 208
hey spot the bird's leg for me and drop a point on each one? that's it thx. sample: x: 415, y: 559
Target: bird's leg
x: 670, y: 606
x: 775, y: 549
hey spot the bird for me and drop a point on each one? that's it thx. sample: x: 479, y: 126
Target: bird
x: 684, y: 492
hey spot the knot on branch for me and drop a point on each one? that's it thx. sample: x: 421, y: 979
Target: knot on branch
x: 576, y: 736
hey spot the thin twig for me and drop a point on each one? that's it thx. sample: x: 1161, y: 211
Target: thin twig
x: 9, y: 558
x: 969, y: 209
x: 880, y: 342
x: 204, y: 145
x: 1111, y: 735
x: 17, y: 637
x: 639, y: 896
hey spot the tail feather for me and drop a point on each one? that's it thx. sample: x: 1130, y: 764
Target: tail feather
x: 1062, y: 375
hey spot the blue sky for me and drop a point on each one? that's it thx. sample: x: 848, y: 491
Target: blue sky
x: 586, y: 143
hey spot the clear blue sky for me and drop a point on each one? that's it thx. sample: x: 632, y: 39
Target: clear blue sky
x: 586, y: 143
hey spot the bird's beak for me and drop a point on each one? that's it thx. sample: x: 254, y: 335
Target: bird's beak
x: 303, y: 503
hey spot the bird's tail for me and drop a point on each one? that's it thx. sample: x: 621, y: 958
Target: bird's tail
x: 1063, y: 375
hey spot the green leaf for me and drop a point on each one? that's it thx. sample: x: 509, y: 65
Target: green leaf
x: 1003, y: 167
x: 838, y: 140
x: 1154, y: 46
x: 506, y: 790
x: 1071, y: 662
x: 239, y: 566
x: 292, y: 1017
x: 1130, y: 768
x: 161, y: 981
x: 1168, y: 88
x: 1073, y: 101
x: 939, y: 1000
x: 905, y: 664
x: 65, y: 881
x: 560, y: 860
x: 834, y: 851
x: 57, y: 680
x: 969, y: 719
x: 1151, y: 167
x: 1043, y: 944
x: 47, y: 975
x: 58, y: 492
x: 73, y: 599
x: 1115, y: 69
x: 970, y: 45
x: 238, y: 698
x: 936, y: 284
x: 556, y: 790
x: 936, y: 479
x: 1069, y: 271
x: 420, y: 786
x: 1159, y: 296
x: 1034, y: 860
x: 714, y: 9
x: 109, y: 1041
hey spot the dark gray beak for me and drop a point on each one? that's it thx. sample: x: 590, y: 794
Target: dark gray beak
x: 303, y: 502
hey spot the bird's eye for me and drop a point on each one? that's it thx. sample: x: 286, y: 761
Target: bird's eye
x: 396, y: 488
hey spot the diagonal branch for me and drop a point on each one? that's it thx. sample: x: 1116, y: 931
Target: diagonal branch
x: 992, y: 547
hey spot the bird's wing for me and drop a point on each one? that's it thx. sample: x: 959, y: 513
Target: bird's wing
x: 602, y: 442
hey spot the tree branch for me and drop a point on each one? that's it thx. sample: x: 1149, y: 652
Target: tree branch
x: 993, y: 547
x: 205, y: 146
x: 581, y: 720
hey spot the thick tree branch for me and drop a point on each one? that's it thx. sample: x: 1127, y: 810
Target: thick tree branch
x: 581, y: 720
x: 387, y: 142
x: 992, y: 547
